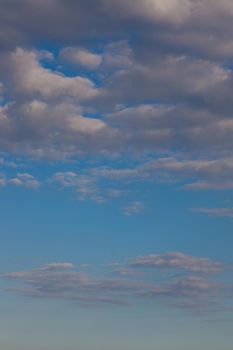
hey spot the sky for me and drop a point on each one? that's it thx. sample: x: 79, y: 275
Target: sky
x: 116, y: 186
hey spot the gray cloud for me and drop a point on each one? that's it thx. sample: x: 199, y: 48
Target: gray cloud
x: 80, y: 56
x: 198, y: 174
x: 63, y: 281
x: 166, y: 89
x: 178, y: 260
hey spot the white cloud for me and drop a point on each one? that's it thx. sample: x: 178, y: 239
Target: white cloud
x: 20, y: 180
x: 31, y: 78
x: 85, y: 125
x: 81, y: 56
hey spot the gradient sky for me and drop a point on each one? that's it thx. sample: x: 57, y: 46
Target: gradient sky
x: 116, y: 186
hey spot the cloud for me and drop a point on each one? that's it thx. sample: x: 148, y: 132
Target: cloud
x: 57, y: 266
x: 50, y: 105
x: 84, y: 185
x: 51, y: 281
x: 30, y: 78
x: 166, y: 91
x: 20, y: 180
x: 178, y: 260
x: 194, y: 174
x: 63, y: 281
x: 191, y: 286
x: 135, y: 207
x: 126, y: 272
x: 81, y: 56
x: 218, y: 212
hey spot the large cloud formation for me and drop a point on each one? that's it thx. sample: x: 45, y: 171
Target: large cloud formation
x: 133, y: 76
x: 194, y: 290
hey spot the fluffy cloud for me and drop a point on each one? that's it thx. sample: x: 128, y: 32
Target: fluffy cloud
x: 20, y: 180
x: 80, y: 56
x: 169, y: 87
x: 31, y: 79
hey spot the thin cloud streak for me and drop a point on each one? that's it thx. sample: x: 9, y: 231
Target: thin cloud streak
x: 64, y: 281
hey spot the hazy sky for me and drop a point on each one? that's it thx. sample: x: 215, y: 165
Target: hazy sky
x: 116, y: 185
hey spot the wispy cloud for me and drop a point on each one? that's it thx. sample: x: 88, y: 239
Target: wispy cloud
x: 219, y: 212
x: 134, y: 208
x: 129, y: 285
x: 178, y: 260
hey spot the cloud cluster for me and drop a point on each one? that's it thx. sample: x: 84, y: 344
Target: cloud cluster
x: 194, y: 174
x: 64, y: 281
x: 20, y: 180
x: 98, y: 89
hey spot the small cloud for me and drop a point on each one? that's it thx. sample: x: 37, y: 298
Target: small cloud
x: 57, y: 266
x: 26, y: 180
x: 81, y: 56
x: 178, y: 260
x: 115, y: 193
x: 220, y: 212
x: 134, y: 208
x: 126, y: 272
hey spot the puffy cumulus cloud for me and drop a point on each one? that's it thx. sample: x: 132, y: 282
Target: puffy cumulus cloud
x: 70, y: 21
x: 44, y: 115
x: 81, y: 56
x: 28, y: 77
x: 57, y: 130
x: 47, y: 105
x: 20, y: 180
x: 170, y: 79
x: 169, y: 87
x: 63, y: 281
x: 190, y: 27
x: 86, y: 125
x: 178, y: 260
x: 167, y: 10
x: 26, y: 180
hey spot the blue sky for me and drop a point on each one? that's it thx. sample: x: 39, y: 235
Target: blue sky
x: 116, y: 174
